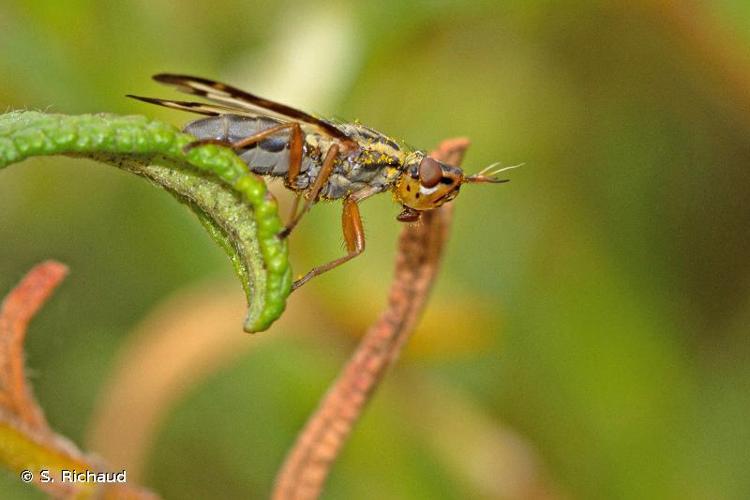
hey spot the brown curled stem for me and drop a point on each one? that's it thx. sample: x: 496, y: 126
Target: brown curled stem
x: 420, y: 247
x: 27, y: 443
x: 16, y: 312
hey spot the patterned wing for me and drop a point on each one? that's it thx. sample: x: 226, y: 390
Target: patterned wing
x: 201, y: 108
x: 233, y: 99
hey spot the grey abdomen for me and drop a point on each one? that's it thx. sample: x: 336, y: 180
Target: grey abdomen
x: 267, y: 157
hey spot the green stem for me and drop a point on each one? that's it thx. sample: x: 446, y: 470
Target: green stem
x: 233, y: 204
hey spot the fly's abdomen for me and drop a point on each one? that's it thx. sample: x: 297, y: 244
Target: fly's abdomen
x: 267, y: 157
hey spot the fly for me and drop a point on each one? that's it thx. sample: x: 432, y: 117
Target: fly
x: 318, y: 159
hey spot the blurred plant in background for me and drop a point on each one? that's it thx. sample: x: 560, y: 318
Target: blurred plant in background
x: 588, y: 336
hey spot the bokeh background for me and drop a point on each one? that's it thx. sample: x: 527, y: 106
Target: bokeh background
x: 587, y: 338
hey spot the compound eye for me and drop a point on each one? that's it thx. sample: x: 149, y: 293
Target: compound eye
x: 430, y: 172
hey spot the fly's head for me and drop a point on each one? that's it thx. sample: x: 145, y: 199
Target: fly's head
x: 426, y: 184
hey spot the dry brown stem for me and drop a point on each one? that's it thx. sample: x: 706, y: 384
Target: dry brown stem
x: 27, y: 443
x: 21, y: 304
x: 308, y: 463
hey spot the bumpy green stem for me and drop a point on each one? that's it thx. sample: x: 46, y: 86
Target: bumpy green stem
x: 232, y: 204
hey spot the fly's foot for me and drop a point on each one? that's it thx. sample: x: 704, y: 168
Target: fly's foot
x: 301, y: 281
x: 202, y: 142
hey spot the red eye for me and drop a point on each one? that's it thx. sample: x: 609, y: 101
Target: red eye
x: 430, y: 172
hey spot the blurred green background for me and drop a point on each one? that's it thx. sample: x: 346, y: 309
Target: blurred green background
x: 589, y: 331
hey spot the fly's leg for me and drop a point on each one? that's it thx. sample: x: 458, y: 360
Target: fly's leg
x: 325, y: 173
x: 295, y: 144
x: 202, y: 142
x: 295, y: 207
x: 354, y: 235
x: 295, y: 166
x: 295, y: 157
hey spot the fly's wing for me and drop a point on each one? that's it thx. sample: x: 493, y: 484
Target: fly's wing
x: 201, y: 108
x: 234, y: 100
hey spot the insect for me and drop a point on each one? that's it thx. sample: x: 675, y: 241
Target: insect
x: 318, y: 159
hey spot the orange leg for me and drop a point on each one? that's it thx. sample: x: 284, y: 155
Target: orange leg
x: 354, y: 235
x: 251, y: 139
x: 295, y: 165
x: 325, y: 173
x: 295, y: 155
x: 295, y: 206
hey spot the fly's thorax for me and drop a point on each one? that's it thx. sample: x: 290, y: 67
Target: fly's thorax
x: 426, y: 183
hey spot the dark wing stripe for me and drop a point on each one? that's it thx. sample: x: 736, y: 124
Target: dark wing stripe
x: 232, y: 96
x: 194, y: 107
